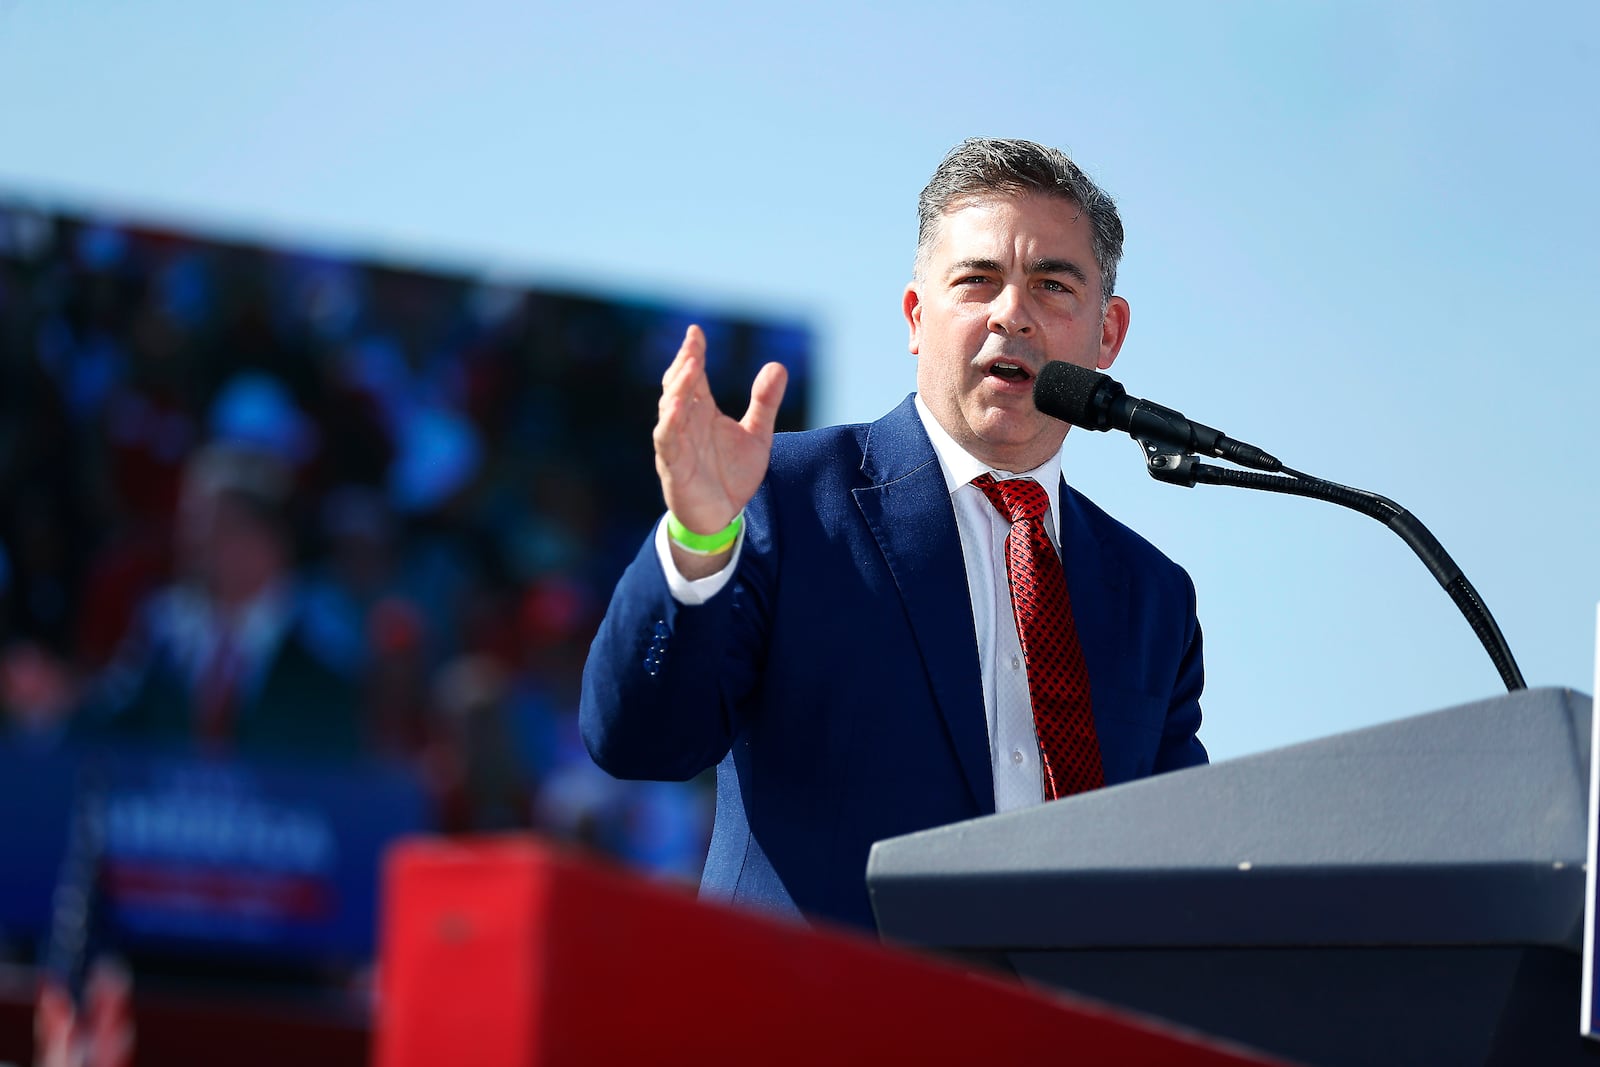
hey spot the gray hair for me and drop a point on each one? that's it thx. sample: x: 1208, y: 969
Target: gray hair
x: 981, y: 166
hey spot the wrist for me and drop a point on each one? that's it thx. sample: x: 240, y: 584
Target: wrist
x: 713, y: 544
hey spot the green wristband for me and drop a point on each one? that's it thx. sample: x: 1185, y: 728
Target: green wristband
x: 704, y: 544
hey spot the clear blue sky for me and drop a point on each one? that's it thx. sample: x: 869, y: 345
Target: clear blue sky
x: 1362, y: 235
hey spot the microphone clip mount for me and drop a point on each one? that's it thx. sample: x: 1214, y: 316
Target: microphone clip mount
x: 1167, y: 462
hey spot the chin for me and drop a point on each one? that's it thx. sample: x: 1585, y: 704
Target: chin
x: 1014, y: 456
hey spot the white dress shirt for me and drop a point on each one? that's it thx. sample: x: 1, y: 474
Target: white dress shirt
x: 187, y: 622
x: 1008, y: 710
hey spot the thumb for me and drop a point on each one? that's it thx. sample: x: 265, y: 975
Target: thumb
x: 766, y: 395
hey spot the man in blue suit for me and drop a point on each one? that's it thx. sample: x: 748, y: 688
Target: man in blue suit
x: 825, y: 616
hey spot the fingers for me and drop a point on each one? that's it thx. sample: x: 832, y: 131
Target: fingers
x: 686, y: 419
x: 688, y: 368
x: 684, y: 389
x: 685, y: 385
x: 766, y: 395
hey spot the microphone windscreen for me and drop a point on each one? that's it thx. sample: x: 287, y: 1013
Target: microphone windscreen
x: 1066, y: 391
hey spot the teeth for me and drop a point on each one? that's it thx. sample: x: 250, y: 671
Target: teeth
x: 1006, y: 366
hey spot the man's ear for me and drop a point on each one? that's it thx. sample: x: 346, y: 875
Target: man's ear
x: 911, y: 307
x: 1113, y: 331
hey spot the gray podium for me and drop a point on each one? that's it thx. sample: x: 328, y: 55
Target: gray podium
x: 1411, y: 893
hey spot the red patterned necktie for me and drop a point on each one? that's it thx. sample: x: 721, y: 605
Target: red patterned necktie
x: 1058, y: 680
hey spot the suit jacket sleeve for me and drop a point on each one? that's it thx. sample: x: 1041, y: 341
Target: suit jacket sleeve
x: 665, y: 682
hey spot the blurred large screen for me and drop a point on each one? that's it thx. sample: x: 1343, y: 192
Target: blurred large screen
x: 407, y: 492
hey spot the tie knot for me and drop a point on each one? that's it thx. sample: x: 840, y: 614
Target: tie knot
x: 1015, y: 498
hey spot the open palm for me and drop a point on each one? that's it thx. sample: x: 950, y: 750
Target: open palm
x: 711, y: 464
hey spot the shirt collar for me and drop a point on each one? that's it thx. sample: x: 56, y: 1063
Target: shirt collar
x: 960, y: 466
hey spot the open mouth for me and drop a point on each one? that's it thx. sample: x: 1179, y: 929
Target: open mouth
x: 1008, y: 371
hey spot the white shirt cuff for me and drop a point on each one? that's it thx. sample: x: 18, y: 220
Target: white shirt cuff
x: 700, y: 590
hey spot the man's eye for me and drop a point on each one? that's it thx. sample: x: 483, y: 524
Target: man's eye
x: 1054, y: 286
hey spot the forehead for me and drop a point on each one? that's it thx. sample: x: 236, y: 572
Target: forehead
x: 1044, y: 224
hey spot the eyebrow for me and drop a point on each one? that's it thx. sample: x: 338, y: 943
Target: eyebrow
x: 1038, y: 266
x: 990, y: 265
x: 1059, y: 266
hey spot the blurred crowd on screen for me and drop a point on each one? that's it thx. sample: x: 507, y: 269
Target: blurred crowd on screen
x: 274, y: 505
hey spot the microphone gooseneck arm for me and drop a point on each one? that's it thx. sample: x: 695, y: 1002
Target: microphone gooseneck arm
x: 1093, y: 401
x: 1167, y: 464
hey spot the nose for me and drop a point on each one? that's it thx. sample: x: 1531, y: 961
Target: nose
x: 1009, y: 313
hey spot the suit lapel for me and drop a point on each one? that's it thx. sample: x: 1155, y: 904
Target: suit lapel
x: 908, y: 509
x: 1097, y: 582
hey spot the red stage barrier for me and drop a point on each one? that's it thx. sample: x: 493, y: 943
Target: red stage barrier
x: 508, y: 952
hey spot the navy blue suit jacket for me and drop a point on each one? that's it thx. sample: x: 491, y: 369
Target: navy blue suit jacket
x: 835, y: 683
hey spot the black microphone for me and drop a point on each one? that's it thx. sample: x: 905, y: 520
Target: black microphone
x: 1096, y: 401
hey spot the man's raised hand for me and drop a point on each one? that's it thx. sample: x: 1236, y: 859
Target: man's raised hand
x: 710, y: 464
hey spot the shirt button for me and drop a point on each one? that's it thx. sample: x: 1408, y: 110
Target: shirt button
x: 1016, y: 755
x: 1016, y: 663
